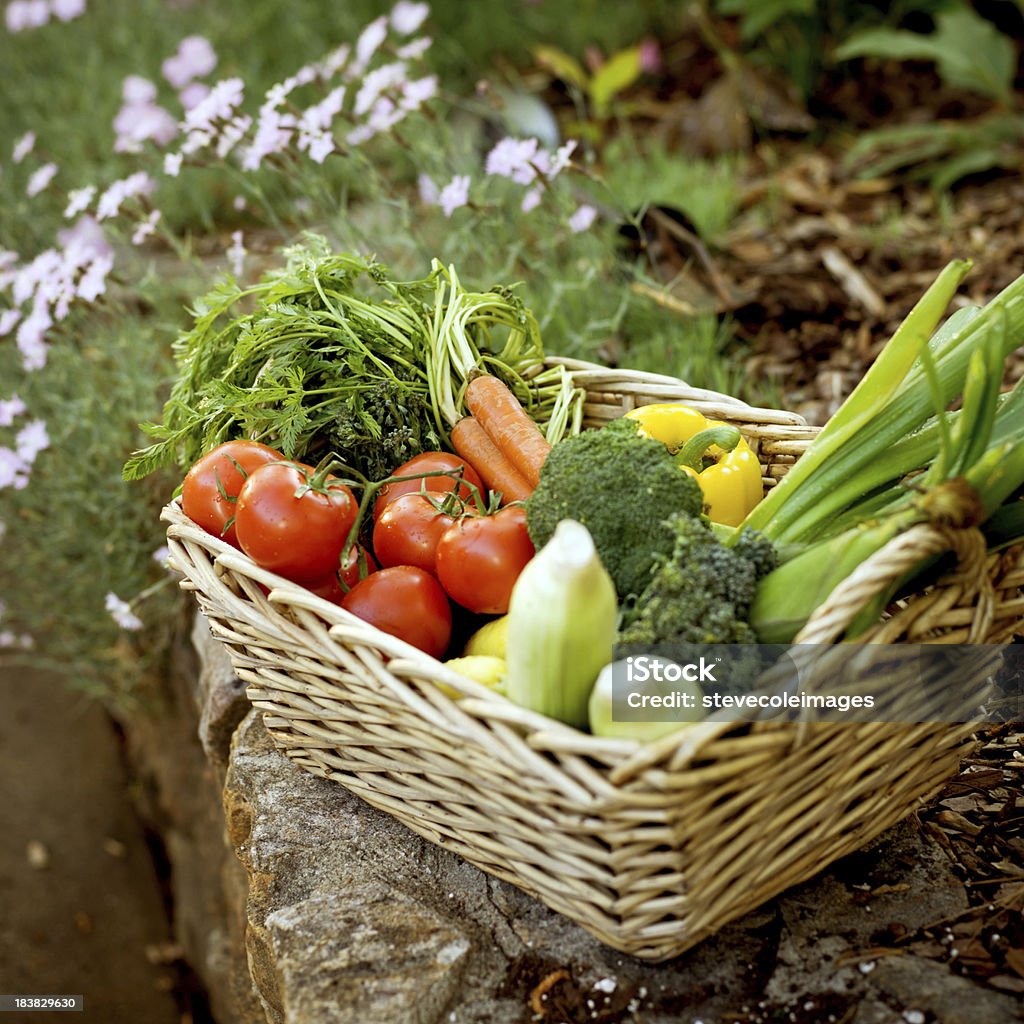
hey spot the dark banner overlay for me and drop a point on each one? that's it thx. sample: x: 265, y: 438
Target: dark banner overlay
x: 905, y: 683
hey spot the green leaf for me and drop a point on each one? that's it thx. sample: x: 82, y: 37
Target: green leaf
x: 969, y: 51
x: 970, y: 162
x: 889, y: 44
x: 562, y: 66
x: 758, y: 15
x: 619, y: 72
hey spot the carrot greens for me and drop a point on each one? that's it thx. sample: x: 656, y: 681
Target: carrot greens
x: 331, y: 353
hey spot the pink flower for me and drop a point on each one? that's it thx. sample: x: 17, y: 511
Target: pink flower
x: 40, y: 179
x: 193, y: 94
x: 415, y: 49
x: 335, y: 61
x: 31, y: 339
x: 377, y: 82
x: 79, y: 200
x: 369, y: 42
x: 136, y: 184
x: 278, y: 93
x: 323, y: 113
x: 8, y: 321
x: 273, y: 133
x: 31, y: 440
x: 172, y: 164
x: 93, y: 283
x: 512, y: 158
x: 136, y: 89
x: 383, y: 116
x: 10, y: 409
x: 531, y: 200
x: 195, y: 141
x: 145, y: 228
x: 137, y: 122
x: 121, y: 612
x: 23, y: 147
x: 68, y: 10
x: 406, y: 17
x: 195, y: 58
x: 415, y: 94
x: 429, y: 192
x: 219, y: 105
x: 84, y: 241
x: 582, y: 218
x: 650, y: 56
x: 562, y: 158
x: 321, y: 147
x: 25, y: 14
x: 8, y: 638
x: 454, y: 194
x: 13, y: 471
x: 232, y: 133
x: 29, y: 276
x: 306, y: 74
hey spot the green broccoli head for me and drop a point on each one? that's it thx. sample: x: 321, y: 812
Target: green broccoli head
x: 756, y: 549
x: 699, y: 593
x: 621, y: 487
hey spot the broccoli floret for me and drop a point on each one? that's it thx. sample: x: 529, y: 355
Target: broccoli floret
x: 621, y: 487
x: 701, y: 593
x: 758, y: 550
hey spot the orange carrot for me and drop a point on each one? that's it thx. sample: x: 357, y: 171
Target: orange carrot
x: 508, y: 425
x: 472, y: 443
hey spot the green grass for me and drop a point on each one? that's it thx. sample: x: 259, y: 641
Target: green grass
x: 640, y: 175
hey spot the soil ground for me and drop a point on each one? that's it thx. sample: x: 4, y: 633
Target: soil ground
x: 82, y: 911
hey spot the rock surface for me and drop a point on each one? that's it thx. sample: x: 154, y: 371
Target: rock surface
x: 179, y: 793
x: 350, y: 917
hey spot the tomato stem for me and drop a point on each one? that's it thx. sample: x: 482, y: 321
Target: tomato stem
x: 372, y: 488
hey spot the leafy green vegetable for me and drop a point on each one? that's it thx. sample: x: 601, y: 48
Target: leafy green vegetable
x: 332, y: 355
x: 893, y: 456
x: 620, y: 486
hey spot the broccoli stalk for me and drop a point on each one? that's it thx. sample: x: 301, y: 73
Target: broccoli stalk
x: 621, y: 487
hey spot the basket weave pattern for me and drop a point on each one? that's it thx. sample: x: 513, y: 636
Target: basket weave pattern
x: 650, y: 848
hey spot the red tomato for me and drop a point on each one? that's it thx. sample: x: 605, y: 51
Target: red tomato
x: 338, y: 584
x: 406, y: 602
x: 479, y: 558
x: 428, y: 462
x: 289, y: 527
x: 408, y: 530
x: 212, y: 484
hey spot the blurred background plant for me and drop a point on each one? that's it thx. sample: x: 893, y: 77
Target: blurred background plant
x: 637, y: 167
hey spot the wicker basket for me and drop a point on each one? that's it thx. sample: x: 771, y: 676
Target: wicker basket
x: 650, y: 848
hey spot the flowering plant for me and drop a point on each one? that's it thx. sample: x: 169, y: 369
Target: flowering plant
x: 365, y: 145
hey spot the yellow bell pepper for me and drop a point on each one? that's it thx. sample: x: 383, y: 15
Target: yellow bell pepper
x: 713, y: 452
